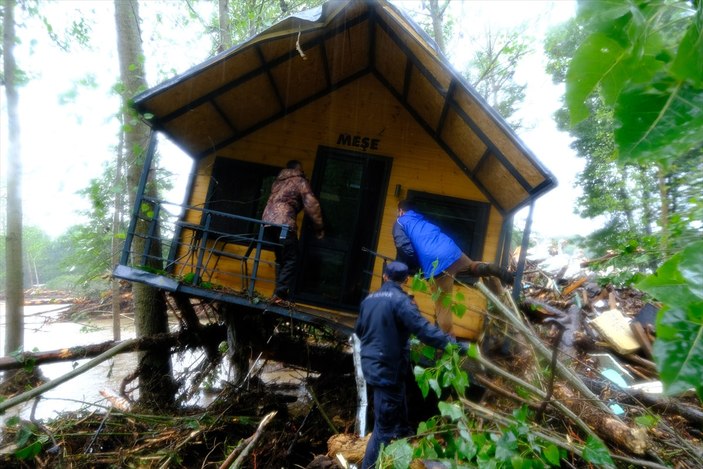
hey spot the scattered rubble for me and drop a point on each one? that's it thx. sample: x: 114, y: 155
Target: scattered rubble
x: 601, y: 336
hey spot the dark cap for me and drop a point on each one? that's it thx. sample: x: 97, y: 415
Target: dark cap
x: 396, y: 271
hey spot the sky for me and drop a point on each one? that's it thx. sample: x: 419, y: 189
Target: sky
x: 68, y: 132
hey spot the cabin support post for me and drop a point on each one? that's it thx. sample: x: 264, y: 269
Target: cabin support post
x: 139, y: 197
x: 503, y: 254
x: 360, y: 426
x: 201, y: 251
x: 523, y: 253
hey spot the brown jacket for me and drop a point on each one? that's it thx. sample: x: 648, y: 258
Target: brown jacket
x: 290, y: 193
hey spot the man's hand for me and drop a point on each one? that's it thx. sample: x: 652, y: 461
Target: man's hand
x: 320, y: 234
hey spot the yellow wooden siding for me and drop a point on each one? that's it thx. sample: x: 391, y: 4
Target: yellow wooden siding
x: 363, y: 108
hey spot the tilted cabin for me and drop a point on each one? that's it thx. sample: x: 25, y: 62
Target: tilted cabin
x: 363, y: 98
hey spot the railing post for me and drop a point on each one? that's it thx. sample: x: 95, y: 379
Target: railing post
x: 150, y: 234
x: 257, y: 258
x: 201, y: 249
x: 523, y: 254
x: 138, y: 198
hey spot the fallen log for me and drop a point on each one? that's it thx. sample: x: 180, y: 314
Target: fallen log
x: 563, y: 371
x: 664, y: 405
x: 13, y: 401
x: 633, y: 439
x: 247, y: 444
x: 281, y: 348
x: 93, y: 350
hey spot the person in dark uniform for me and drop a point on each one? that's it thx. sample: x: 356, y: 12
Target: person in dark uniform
x: 386, y: 320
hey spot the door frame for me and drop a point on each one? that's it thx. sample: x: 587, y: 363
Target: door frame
x: 366, y: 269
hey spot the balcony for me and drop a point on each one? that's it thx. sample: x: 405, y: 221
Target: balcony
x: 213, y: 255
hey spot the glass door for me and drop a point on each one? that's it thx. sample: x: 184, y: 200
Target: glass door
x: 351, y: 188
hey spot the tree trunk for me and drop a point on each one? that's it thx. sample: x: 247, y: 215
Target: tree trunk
x: 116, y: 245
x: 14, y: 301
x: 437, y: 15
x: 225, y: 38
x: 156, y: 384
x: 664, y: 215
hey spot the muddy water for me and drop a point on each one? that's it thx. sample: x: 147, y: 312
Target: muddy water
x: 44, y: 333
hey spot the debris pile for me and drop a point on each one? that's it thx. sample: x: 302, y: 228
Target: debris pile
x: 575, y: 354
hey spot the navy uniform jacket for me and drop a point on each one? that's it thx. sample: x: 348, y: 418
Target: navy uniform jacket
x: 386, y: 320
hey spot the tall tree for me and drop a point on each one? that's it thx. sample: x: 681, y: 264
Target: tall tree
x: 14, y: 302
x: 644, y: 61
x: 238, y: 20
x: 156, y: 385
x: 636, y: 198
x: 225, y: 26
x: 492, y: 70
x: 436, y: 11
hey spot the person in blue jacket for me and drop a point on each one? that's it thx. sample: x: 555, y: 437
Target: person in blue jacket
x: 421, y: 244
x: 387, y: 318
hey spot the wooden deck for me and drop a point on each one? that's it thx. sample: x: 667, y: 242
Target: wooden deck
x: 339, y: 321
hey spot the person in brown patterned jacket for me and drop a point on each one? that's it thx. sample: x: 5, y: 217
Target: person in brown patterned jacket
x: 290, y: 193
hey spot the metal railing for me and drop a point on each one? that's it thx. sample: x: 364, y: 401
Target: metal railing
x: 188, y: 242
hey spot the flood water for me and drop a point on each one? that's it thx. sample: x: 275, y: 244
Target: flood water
x: 43, y: 332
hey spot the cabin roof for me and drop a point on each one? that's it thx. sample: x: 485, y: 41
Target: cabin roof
x: 311, y: 54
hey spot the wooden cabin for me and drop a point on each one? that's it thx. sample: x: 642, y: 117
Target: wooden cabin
x: 362, y: 97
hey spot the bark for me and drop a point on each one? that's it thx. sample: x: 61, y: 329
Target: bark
x: 437, y: 16
x: 632, y: 439
x: 14, y: 300
x: 213, y: 333
x: 117, y: 218
x: 661, y: 404
x: 156, y: 385
x: 62, y: 379
x: 225, y: 26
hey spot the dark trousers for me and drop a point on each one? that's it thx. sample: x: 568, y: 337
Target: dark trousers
x: 286, y: 252
x: 390, y: 411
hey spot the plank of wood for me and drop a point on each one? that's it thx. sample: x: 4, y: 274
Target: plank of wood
x: 614, y: 327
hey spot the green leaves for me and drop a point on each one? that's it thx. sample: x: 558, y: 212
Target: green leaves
x: 678, y: 350
x: 659, y: 120
x: 645, y: 60
x: 396, y: 455
x: 595, y: 62
x: 595, y: 452
x: 447, y: 373
x: 688, y: 64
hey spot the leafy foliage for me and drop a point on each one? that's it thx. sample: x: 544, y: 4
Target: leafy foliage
x: 650, y: 207
x: 643, y: 61
x: 453, y: 436
x: 678, y: 349
x: 30, y: 439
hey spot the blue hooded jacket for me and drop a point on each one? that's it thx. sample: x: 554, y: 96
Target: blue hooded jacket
x: 386, y: 319
x: 417, y: 238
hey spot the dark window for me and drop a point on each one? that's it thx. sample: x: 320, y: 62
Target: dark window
x: 238, y: 188
x: 462, y: 220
